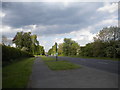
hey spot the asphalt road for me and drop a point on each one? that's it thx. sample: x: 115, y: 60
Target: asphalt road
x: 84, y: 77
x: 105, y: 65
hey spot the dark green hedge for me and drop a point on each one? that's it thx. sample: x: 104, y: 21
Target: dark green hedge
x: 11, y: 53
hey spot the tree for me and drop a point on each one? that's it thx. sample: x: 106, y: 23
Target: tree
x: 98, y: 49
x: 52, y: 51
x: 111, y: 36
x: 75, y: 48
x: 35, y: 43
x: 18, y: 40
x: 27, y: 42
x: 106, y: 44
x: 60, y: 49
x: 70, y: 47
x: 108, y: 34
x: 42, y: 51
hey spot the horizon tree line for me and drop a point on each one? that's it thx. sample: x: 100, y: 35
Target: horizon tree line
x: 26, y: 42
x: 106, y: 44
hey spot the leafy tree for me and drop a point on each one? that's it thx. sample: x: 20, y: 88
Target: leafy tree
x: 70, y: 47
x: 75, y: 48
x: 27, y: 42
x: 35, y: 43
x: 52, y: 51
x: 108, y: 34
x: 23, y: 40
x: 42, y: 51
x: 18, y: 40
x: 106, y: 44
x: 60, y: 49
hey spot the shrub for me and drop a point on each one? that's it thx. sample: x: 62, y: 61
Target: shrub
x: 11, y: 53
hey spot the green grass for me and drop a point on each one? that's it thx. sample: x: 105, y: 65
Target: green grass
x: 47, y: 58
x: 59, y: 65
x: 16, y: 75
x: 38, y: 55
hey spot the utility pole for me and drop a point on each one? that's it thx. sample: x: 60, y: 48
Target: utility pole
x: 56, y: 51
x: 114, y: 43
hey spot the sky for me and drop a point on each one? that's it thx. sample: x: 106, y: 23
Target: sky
x: 54, y: 21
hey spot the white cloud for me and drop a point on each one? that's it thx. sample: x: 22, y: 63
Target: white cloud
x: 58, y: 40
x: 2, y: 14
x: 60, y: 1
x: 108, y: 22
x: 83, y: 36
x: 5, y: 28
x: 8, y: 29
x: 56, y: 24
x: 109, y: 8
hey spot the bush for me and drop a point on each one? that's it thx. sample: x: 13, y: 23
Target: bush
x: 11, y: 53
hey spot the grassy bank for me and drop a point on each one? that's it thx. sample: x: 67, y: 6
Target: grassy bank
x: 59, y: 65
x: 16, y: 75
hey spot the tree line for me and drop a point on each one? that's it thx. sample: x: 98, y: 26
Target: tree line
x: 27, y: 42
x: 27, y: 45
x: 106, y: 44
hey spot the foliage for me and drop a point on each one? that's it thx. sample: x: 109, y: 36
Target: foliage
x: 108, y: 34
x: 34, y: 44
x: 39, y: 50
x: 10, y: 53
x: 70, y: 47
x: 106, y: 44
x: 28, y: 42
x: 60, y: 49
x: 52, y: 51
x: 16, y: 75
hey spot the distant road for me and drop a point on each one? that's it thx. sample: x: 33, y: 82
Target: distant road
x: 106, y: 65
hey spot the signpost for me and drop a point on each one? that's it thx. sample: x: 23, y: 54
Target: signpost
x: 56, y: 51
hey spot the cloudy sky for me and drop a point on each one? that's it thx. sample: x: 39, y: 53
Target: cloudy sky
x: 54, y: 21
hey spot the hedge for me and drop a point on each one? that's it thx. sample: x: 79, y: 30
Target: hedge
x: 11, y: 53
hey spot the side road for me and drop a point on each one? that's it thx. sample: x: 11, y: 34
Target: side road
x: 85, y: 77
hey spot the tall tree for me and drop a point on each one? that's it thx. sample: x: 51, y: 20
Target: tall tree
x: 26, y: 41
x: 106, y: 44
x: 70, y: 47
x: 18, y: 40
x: 108, y: 34
x: 60, y: 49
x: 35, y: 43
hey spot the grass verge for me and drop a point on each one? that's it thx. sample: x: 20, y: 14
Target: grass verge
x: 16, y: 75
x: 59, y: 65
x: 44, y: 58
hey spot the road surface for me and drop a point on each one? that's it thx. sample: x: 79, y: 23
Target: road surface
x: 105, y: 65
x: 85, y: 77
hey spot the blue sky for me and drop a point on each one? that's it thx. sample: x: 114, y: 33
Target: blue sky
x: 54, y: 21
